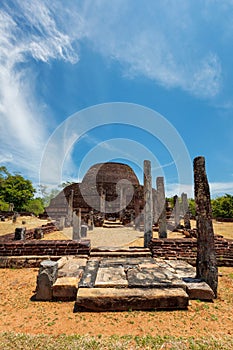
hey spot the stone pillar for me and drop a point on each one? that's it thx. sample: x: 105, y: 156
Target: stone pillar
x: 185, y: 210
x: 155, y: 206
x: 76, y: 225
x: 102, y: 202
x: 70, y: 208
x: 20, y: 233
x: 91, y: 221
x: 46, y: 277
x: 148, y: 217
x: 122, y: 200
x: 84, y: 231
x: 206, y: 264
x: 14, y: 218
x: 162, y: 207
x: 61, y: 223
x: 38, y: 233
x: 176, y: 211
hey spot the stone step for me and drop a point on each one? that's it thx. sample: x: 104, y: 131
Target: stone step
x: 123, y: 299
x: 134, y: 252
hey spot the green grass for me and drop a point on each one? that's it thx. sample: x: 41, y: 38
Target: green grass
x: 10, y: 341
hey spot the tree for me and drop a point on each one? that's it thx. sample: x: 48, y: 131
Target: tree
x: 222, y: 207
x: 34, y: 206
x: 15, y: 189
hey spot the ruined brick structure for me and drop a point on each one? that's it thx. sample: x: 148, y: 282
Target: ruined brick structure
x: 108, y: 179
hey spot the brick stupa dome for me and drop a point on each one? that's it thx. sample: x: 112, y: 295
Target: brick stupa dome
x: 110, y: 173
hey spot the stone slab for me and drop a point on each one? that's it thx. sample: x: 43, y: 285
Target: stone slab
x: 111, y: 277
x: 89, y: 275
x: 105, y: 262
x: 73, y: 267
x: 122, y: 299
x: 157, y: 278
x: 65, y: 288
x: 198, y: 289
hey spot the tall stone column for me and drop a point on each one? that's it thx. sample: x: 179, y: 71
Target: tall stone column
x: 155, y: 206
x: 70, y: 208
x: 77, y: 225
x: 122, y: 201
x: 206, y: 264
x: 185, y: 210
x: 148, y: 203
x: 162, y: 207
x: 102, y: 202
x: 176, y: 211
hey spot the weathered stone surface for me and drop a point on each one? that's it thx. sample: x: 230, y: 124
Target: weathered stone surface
x: 89, y: 275
x: 197, y: 289
x: 111, y: 277
x: 148, y: 208
x: 76, y: 225
x: 127, y: 261
x: 46, y: 277
x: 206, y: 264
x: 72, y: 268
x: 110, y: 299
x: 65, y: 288
x: 162, y: 207
x: 158, y: 278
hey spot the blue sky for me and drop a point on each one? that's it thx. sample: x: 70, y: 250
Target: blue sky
x: 60, y: 57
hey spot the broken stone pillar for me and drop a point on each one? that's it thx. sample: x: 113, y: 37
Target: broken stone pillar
x: 61, y: 223
x: 162, y: 207
x: 176, y: 212
x: 46, y: 277
x: 20, y: 233
x: 84, y: 231
x: 14, y: 218
x: 185, y: 210
x: 102, y: 203
x: 148, y: 216
x: 70, y: 208
x: 76, y: 225
x: 38, y: 233
x: 206, y: 264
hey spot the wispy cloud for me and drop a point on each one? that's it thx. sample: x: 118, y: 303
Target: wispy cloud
x: 28, y: 30
x: 159, y: 40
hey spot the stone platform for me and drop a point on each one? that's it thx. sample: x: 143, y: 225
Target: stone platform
x: 107, y: 282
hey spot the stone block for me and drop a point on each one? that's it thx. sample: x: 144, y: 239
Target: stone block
x: 46, y: 277
x: 198, y: 289
x: 65, y: 288
x: 111, y: 277
x: 89, y: 275
x: 158, y: 278
x: 123, y: 299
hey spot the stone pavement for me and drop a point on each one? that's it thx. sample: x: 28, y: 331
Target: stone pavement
x: 106, y: 283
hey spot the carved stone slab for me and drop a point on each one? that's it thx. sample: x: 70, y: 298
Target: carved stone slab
x: 111, y: 277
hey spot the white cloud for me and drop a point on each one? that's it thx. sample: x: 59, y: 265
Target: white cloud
x: 28, y: 30
x: 216, y: 189
x: 159, y: 40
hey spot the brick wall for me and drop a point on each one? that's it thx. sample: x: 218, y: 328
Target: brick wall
x: 40, y: 248
x: 186, y: 248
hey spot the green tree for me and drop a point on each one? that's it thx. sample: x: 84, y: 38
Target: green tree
x: 15, y: 189
x: 34, y: 206
x: 192, y: 207
x: 222, y: 207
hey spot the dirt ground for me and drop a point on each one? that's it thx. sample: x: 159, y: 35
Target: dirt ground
x: 19, y: 314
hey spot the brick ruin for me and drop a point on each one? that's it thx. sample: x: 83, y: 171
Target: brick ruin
x: 115, y: 183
